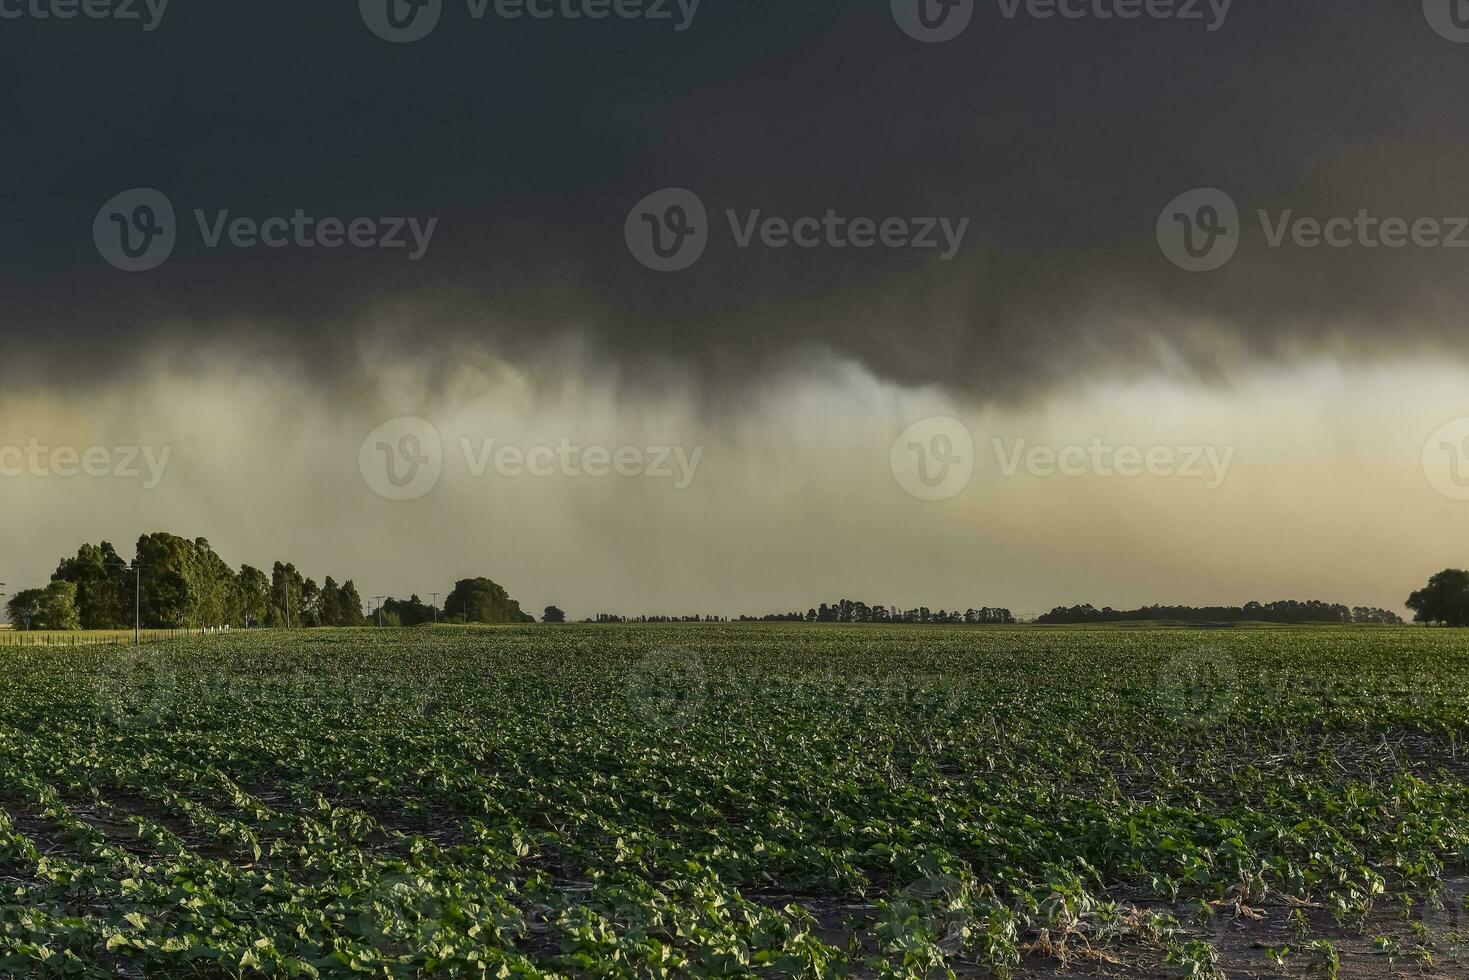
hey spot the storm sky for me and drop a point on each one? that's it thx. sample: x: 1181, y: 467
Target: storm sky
x: 1055, y: 142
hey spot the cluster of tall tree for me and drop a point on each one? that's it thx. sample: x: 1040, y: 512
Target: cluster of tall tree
x: 179, y: 583
x: 404, y: 612
x: 478, y: 600
x: 51, y: 608
x: 1285, y: 612
x: 473, y: 600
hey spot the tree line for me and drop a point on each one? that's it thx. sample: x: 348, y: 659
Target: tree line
x: 848, y: 611
x: 179, y: 583
x: 605, y: 619
x: 842, y: 611
x: 1285, y: 612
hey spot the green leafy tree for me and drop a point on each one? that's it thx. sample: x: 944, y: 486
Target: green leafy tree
x: 59, y: 607
x: 211, y: 587
x: 406, y: 612
x: 51, y: 608
x: 252, y: 596
x: 1444, y: 600
x: 104, y: 586
x: 165, y: 602
x: 286, y: 587
x: 310, y: 603
x: 329, y: 605
x: 350, y: 609
x: 184, y: 583
x: 479, y: 600
x: 553, y: 615
x: 24, y: 609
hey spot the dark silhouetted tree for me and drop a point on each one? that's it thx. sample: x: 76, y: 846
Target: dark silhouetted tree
x: 1444, y: 600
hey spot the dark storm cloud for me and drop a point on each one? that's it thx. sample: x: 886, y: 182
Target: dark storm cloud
x: 529, y: 141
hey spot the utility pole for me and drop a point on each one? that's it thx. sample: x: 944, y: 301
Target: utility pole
x: 379, y: 600
x: 434, y: 594
x: 137, y: 568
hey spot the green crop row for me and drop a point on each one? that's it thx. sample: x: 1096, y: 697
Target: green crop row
x: 713, y: 800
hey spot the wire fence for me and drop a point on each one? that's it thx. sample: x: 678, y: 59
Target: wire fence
x: 85, y: 638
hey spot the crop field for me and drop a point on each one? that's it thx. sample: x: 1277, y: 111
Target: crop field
x: 746, y: 801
